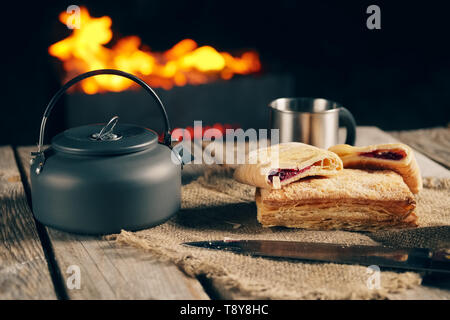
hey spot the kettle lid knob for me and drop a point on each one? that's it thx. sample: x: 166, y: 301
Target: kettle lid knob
x: 107, y: 134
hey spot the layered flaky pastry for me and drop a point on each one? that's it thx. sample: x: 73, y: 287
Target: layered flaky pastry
x: 394, y: 156
x: 352, y: 200
x: 282, y: 164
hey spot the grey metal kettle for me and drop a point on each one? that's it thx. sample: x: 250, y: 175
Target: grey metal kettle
x: 100, y: 179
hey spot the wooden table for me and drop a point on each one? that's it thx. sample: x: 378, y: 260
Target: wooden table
x: 36, y: 261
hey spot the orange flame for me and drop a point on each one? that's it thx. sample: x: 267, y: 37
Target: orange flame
x: 185, y: 63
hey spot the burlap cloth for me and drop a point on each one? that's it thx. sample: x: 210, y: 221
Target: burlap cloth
x: 215, y: 207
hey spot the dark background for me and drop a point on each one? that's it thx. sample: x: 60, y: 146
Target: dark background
x: 395, y: 78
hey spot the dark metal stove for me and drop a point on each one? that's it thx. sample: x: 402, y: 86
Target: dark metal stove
x: 241, y: 101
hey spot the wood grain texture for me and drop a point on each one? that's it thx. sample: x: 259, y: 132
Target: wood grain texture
x: 112, y: 272
x: 24, y: 273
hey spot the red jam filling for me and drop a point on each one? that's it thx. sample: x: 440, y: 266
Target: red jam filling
x: 385, y: 154
x: 284, y: 174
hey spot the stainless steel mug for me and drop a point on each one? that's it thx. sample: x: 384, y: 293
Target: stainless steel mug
x: 312, y: 121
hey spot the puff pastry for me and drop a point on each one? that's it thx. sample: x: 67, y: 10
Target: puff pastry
x: 352, y: 200
x: 394, y: 156
x: 282, y: 164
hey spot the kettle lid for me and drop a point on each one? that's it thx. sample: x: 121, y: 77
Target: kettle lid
x: 95, y: 140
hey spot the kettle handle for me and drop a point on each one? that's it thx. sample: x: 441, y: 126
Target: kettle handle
x: 51, y: 104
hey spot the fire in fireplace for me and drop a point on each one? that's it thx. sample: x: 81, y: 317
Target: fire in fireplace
x: 185, y: 63
x: 195, y: 82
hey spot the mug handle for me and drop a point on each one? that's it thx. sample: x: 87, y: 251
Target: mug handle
x: 348, y: 121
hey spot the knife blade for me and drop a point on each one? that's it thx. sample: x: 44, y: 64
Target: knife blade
x: 398, y: 258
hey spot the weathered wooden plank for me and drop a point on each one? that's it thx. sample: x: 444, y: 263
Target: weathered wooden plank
x: 106, y: 269
x: 24, y: 273
x: 112, y: 272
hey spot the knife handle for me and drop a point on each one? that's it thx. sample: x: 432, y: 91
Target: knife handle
x: 440, y: 259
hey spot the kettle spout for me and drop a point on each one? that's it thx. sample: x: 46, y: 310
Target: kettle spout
x: 39, y: 158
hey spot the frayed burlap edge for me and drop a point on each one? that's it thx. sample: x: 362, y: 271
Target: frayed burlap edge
x: 436, y: 183
x: 238, y: 289
x: 233, y: 288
